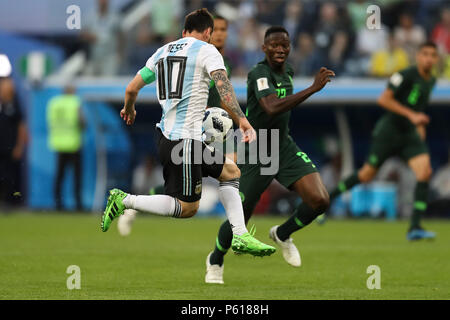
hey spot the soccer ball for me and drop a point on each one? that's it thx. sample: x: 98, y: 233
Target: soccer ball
x: 216, y: 125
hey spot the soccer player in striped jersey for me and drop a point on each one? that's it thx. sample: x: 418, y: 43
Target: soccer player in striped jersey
x: 218, y: 39
x: 183, y: 70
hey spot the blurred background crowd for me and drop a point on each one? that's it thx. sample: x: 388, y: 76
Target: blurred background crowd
x: 331, y: 33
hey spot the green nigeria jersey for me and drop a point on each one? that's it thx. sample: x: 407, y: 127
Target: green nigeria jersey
x: 261, y: 82
x: 214, y: 97
x: 412, y: 91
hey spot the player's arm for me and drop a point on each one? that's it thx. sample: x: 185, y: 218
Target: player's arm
x: 228, y: 97
x: 388, y: 102
x: 273, y: 105
x: 143, y: 77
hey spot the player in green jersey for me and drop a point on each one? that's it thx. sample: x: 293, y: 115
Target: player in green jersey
x: 270, y: 99
x: 218, y: 39
x: 401, y: 132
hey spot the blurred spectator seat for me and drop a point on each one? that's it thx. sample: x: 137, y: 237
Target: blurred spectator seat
x: 386, y: 61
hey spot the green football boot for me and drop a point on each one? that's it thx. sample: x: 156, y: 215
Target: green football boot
x: 114, y: 208
x: 246, y: 243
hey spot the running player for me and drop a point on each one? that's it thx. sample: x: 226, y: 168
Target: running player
x: 218, y: 39
x: 183, y: 69
x: 270, y: 99
x: 401, y: 132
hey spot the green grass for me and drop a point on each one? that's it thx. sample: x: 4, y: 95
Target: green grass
x: 165, y: 259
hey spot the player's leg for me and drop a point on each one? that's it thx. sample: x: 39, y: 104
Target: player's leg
x: 243, y: 241
x: 365, y: 174
x: 125, y: 222
x: 252, y: 185
x: 415, y: 151
x: 315, y: 201
x: 297, y: 172
x: 385, y: 143
x: 421, y: 167
x: 181, y: 180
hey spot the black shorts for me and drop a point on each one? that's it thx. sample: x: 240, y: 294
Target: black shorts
x: 185, y: 162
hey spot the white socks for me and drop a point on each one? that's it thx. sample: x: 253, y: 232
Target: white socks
x: 160, y: 205
x: 168, y: 206
x: 229, y: 196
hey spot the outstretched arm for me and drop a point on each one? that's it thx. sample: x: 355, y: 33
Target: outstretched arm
x: 228, y: 97
x: 273, y: 105
x: 128, y: 113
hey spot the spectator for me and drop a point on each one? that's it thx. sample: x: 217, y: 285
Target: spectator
x: 408, y: 35
x: 304, y: 59
x: 270, y: 12
x: 13, y: 134
x: 331, y: 37
x: 358, y: 14
x: 250, y: 40
x: 65, y: 123
x: 293, y: 18
x: 102, y: 33
x: 165, y: 19
x: 367, y: 43
x: 441, y: 32
x: 385, y: 62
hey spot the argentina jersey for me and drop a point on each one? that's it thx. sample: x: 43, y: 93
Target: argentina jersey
x: 182, y: 69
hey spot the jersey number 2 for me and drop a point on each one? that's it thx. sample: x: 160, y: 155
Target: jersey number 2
x: 176, y: 66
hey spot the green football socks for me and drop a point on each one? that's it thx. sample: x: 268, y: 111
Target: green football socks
x: 420, y: 204
x: 345, y: 185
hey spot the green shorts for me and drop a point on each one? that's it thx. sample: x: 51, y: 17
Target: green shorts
x: 294, y: 164
x: 389, y: 141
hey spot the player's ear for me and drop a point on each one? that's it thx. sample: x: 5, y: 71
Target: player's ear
x: 209, y: 32
x: 184, y: 33
x: 263, y: 48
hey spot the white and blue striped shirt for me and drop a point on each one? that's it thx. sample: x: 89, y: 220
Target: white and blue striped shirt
x: 183, y: 69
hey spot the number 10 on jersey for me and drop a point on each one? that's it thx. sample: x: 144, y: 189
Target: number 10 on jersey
x: 176, y: 67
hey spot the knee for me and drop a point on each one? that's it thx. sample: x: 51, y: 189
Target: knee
x: 190, y: 210
x: 235, y: 172
x: 230, y: 172
x: 320, y: 202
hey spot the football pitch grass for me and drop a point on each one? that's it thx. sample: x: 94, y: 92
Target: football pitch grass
x: 165, y: 259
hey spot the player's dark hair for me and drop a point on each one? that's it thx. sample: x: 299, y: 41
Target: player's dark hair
x: 275, y: 29
x: 198, y: 20
x: 428, y: 43
x: 219, y: 17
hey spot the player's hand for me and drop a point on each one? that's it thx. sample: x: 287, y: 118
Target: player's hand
x: 419, y: 118
x: 322, y: 78
x: 128, y: 115
x: 248, y: 133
